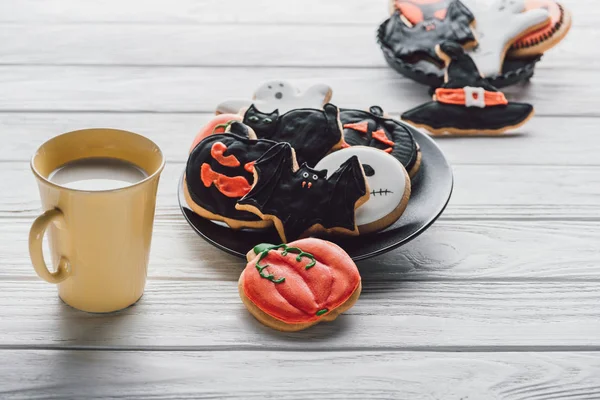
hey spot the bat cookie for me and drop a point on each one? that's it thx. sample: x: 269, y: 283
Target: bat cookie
x: 499, y: 25
x: 546, y: 37
x: 301, y: 200
x: 292, y: 287
x: 220, y: 171
x: 312, y: 132
x: 280, y: 95
x: 467, y: 104
x: 371, y: 128
x: 388, y: 181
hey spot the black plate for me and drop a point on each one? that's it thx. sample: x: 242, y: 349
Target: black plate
x: 431, y: 192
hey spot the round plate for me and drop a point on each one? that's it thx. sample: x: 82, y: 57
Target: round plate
x: 431, y: 192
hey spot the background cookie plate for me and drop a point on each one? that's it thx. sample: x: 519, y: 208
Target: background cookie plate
x: 431, y: 191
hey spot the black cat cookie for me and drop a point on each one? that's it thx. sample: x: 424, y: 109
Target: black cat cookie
x: 311, y: 132
x: 371, y: 128
x: 303, y: 201
x: 466, y: 104
x: 220, y: 171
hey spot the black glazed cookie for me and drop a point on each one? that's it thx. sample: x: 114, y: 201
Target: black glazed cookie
x: 220, y: 171
x: 372, y: 129
x: 467, y: 103
x: 301, y: 200
x: 410, y: 50
x: 311, y: 132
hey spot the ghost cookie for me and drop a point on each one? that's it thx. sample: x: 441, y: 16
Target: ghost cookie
x: 292, y: 287
x: 388, y: 181
x: 371, y: 128
x: 467, y: 104
x: 280, y: 95
x: 302, y: 201
x: 312, y: 132
x: 546, y: 37
x: 220, y: 171
x: 499, y: 25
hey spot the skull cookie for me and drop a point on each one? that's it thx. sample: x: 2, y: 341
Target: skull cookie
x: 280, y: 95
x: 388, y: 182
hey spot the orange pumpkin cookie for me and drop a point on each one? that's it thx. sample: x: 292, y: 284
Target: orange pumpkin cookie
x: 292, y: 287
x: 219, y: 124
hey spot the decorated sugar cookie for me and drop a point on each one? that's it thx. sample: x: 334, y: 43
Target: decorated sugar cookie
x: 292, y: 287
x: 280, y: 95
x: 546, y: 37
x: 388, y: 181
x: 415, y: 11
x: 371, y: 128
x: 301, y: 200
x: 312, y: 132
x: 498, y: 26
x: 218, y: 124
x: 467, y: 104
x: 220, y: 171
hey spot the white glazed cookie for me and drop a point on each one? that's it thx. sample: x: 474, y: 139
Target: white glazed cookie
x: 498, y: 26
x: 280, y: 95
x: 388, y: 181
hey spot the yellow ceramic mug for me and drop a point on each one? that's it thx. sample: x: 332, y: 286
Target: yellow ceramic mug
x: 99, y: 240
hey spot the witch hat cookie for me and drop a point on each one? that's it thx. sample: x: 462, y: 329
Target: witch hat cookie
x: 466, y: 104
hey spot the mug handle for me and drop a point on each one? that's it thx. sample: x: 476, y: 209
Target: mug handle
x: 36, y: 236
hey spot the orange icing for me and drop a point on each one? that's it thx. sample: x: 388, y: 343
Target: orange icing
x: 304, y: 292
x: 217, y: 150
x: 230, y: 186
x: 249, y: 166
x: 457, y: 97
x: 556, y: 16
x: 411, y: 9
x: 212, y: 127
x: 360, y: 126
x: 380, y: 136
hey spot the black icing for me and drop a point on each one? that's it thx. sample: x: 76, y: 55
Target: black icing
x: 463, y: 72
x: 209, y: 198
x: 311, y: 132
x: 369, y: 171
x: 405, y: 146
x: 280, y: 191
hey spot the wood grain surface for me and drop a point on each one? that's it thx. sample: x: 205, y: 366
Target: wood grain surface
x: 497, y: 300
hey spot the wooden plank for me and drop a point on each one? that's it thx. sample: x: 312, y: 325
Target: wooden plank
x: 449, y: 250
x: 299, y: 375
x: 177, y: 45
x: 517, y: 192
x: 146, y: 89
x: 389, y: 315
x: 549, y: 141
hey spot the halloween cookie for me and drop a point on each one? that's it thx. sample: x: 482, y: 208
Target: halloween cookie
x: 292, y: 287
x: 499, y: 25
x: 546, y: 37
x: 312, y: 132
x: 467, y: 103
x: 218, y: 173
x: 219, y: 124
x: 371, y: 128
x: 415, y: 11
x: 301, y: 200
x: 280, y: 95
x: 388, y: 181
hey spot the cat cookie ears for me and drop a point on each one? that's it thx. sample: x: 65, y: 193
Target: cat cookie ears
x: 280, y: 95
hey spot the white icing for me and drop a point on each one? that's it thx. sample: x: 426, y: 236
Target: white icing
x: 387, y: 185
x: 497, y: 26
x: 280, y: 95
x: 474, y: 97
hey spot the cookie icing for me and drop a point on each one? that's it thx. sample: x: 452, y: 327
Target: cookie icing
x: 312, y: 132
x: 280, y: 95
x: 371, y: 128
x: 301, y: 282
x: 219, y: 172
x: 497, y: 27
x: 385, y: 176
x: 415, y: 11
x: 300, y: 199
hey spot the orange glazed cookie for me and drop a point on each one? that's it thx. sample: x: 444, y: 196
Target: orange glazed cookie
x: 292, y: 287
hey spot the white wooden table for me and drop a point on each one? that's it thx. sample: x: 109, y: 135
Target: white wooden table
x: 499, y: 299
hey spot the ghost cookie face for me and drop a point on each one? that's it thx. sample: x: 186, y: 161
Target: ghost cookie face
x: 388, y: 181
x: 282, y: 96
x: 219, y: 172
